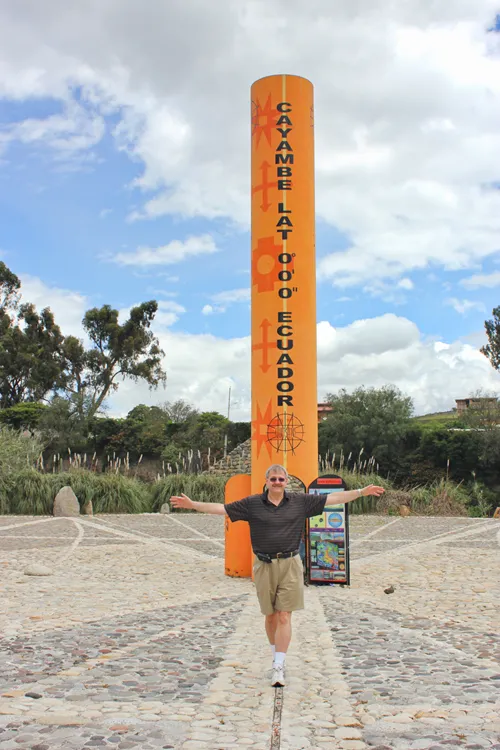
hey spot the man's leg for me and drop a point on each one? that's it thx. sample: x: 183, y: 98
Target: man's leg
x: 283, y: 632
x: 282, y: 641
x: 271, y: 623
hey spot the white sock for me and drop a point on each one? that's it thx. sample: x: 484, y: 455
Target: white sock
x: 273, y: 649
x: 279, y: 658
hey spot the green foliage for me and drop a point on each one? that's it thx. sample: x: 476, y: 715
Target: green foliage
x: 17, y: 451
x: 9, y: 288
x: 439, y: 419
x: 481, y: 500
x: 119, y: 494
x: 441, y: 498
x: 375, y: 419
x: 456, y: 450
x: 31, y: 493
x: 208, y: 488
x: 85, y: 484
x: 237, y: 433
x: 354, y: 480
x: 483, y: 412
x: 25, y: 416
x: 61, y: 426
x: 492, y: 348
x: 117, y: 350
x: 30, y: 355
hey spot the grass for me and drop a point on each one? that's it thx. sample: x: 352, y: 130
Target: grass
x: 30, y: 493
x: 446, y: 417
x: 17, y: 451
x: 208, y: 488
x: 357, y: 479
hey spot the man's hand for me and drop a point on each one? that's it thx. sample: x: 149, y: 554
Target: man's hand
x: 372, y: 489
x: 182, y: 501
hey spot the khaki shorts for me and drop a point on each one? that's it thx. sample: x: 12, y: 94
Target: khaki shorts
x: 279, y: 584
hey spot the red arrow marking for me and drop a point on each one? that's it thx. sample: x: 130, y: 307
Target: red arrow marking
x: 264, y: 186
x: 265, y: 345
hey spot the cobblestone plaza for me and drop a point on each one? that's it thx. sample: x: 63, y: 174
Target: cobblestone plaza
x: 138, y: 640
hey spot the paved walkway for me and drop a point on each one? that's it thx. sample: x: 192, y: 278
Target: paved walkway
x: 138, y: 640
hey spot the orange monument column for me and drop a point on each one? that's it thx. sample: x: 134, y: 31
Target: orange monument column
x: 284, y: 373
x: 284, y: 402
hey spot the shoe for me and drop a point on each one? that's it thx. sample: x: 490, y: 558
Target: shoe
x: 278, y: 676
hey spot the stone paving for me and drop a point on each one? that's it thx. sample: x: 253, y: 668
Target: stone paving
x: 138, y: 640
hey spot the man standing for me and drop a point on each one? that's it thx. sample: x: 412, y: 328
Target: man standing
x: 276, y: 518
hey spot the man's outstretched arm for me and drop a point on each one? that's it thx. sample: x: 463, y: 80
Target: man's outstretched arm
x: 183, y: 501
x: 348, y: 496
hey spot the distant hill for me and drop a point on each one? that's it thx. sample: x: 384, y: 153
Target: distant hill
x: 438, y: 416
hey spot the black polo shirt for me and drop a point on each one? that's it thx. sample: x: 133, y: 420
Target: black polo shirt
x: 276, y: 528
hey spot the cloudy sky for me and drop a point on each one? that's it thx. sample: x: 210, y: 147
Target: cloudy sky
x: 124, y: 176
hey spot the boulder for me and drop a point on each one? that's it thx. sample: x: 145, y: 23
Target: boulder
x: 404, y: 511
x: 496, y: 514
x: 165, y: 508
x: 88, y: 508
x: 66, y: 503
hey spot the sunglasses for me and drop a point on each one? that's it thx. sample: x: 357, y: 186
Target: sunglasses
x: 277, y: 479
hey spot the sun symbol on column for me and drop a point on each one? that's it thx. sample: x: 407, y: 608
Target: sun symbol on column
x: 263, y: 120
x: 285, y: 432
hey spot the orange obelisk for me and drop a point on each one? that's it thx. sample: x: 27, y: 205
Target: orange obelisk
x: 283, y: 278
x: 284, y: 373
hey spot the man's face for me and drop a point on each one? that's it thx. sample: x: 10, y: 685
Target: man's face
x: 276, y: 481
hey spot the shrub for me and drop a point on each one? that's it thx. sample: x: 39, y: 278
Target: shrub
x: 441, y: 498
x: 391, y: 501
x: 206, y: 488
x: 17, y: 451
x: 355, y: 480
x: 119, y: 494
x: 30, y: 493
x: 481, y: 500
x: 85, y: 484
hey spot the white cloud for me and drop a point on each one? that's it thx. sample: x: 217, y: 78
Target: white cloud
x: 407, y: 128
x: 482, y: 280
x: 68, y: 307
x: 369, y: 352
x: 69, y: 135
x: 175, y: 252
x: 232, y: 295
x: 223, y: 300
x: 463, y: 306
x: 167, y: 314
x: 372, y: 352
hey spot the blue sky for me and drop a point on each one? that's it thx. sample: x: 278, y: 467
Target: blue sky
x: 121, y: 182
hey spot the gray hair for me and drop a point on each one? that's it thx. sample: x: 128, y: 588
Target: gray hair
x: 276, y: 467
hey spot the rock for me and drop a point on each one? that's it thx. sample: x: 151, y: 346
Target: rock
x: 37, y: 570
x: 389, y: 590
x: 404, y: 511
x: 165, y: 508
x: 33, y: 695
x: 66, y: 503
x: 61, y: 720
x: 496, y: 514
x: 88, y: 509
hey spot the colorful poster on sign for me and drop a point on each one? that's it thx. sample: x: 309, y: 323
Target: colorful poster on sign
x: 327, y: 548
